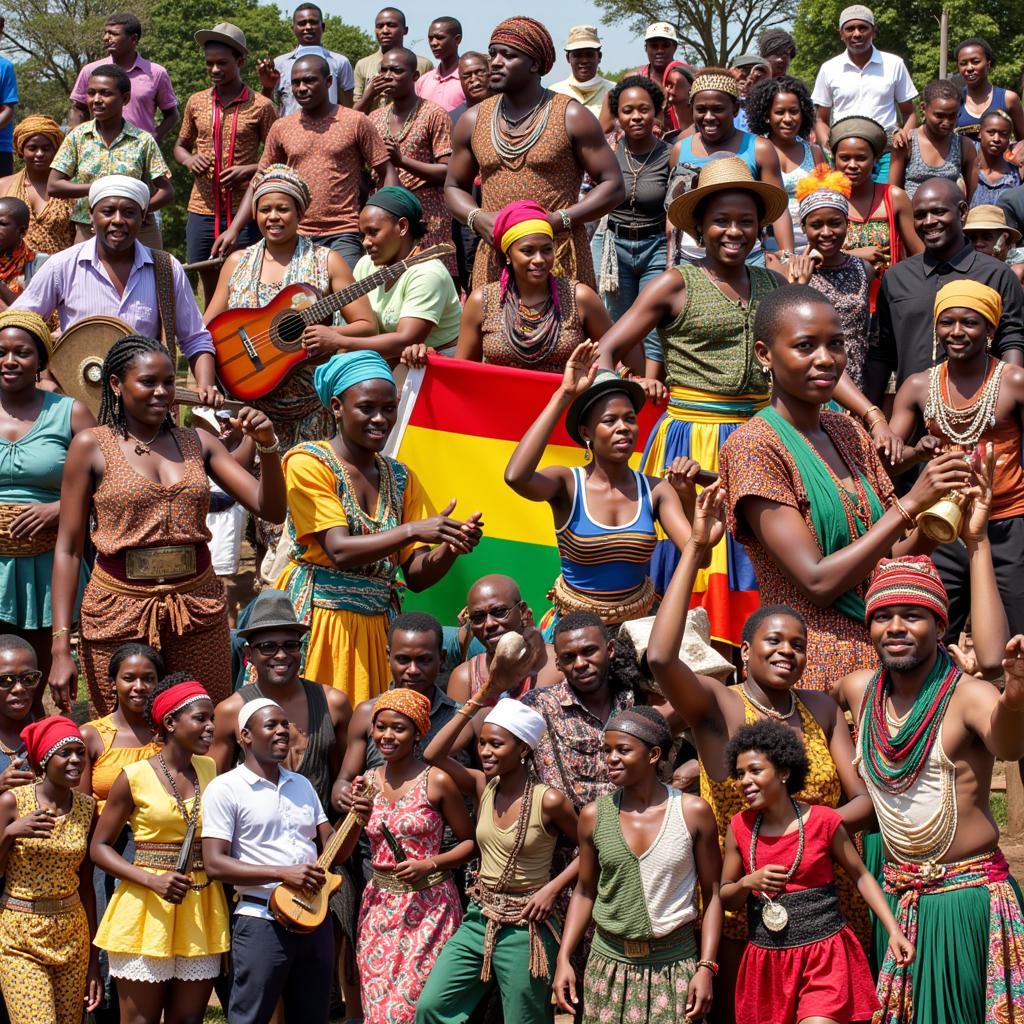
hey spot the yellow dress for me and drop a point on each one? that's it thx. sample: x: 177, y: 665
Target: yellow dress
x: 107, y: 767
x: 44, y: 958
x: 821, y: 787
x: 347, y: 611
x: 137, y: 922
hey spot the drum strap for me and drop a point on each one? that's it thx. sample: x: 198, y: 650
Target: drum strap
x: 164, y: 272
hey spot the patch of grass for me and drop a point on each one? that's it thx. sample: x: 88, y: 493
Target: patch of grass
x: 998, y: 805
x: 215, y: 1015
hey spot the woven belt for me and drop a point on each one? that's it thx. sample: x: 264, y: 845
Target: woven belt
x: 164, y: 856
x: 636, y: 232
x: 386, y: 880
x: 676, y: 945
x: 813, y: 915
x: 53, y: 906
x: 634, y: 604
x: 23, y: 547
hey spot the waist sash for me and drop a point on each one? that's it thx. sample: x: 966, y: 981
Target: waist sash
x: 164, y: 856
x: 506, y: 908
x: 386, y: 880
x: 48, y: 907
x: 1005, y: 967
x: 671, y: 948
x: 692, y: 405
x: 813, y: 915
x: 317, y: 586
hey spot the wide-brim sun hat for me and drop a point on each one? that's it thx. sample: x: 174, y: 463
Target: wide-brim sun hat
x: 986, y: 217
x: 728, y: 174
x: 605, y: 382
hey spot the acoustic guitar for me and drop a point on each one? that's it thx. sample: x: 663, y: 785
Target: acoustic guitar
x: 257, y: 349
x: 298, y: 910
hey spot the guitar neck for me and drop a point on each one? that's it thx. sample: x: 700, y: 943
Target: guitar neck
x: 326, y: 859
x: 336, y: 301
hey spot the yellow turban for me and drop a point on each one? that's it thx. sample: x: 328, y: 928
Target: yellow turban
x: 967, y: 294
x: 36, y: 124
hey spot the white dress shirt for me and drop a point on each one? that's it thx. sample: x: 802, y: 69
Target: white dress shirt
x: 872, y: 91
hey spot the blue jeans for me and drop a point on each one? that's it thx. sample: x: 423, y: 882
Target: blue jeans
x: 640, y: 262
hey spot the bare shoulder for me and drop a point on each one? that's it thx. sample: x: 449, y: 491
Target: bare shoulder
x: 697, y: 814
x: 337, y: 702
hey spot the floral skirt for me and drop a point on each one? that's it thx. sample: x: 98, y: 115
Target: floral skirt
x: 635, y: 993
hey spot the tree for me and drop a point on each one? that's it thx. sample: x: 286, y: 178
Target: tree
x: 711, y: 32
x: 911, y: 29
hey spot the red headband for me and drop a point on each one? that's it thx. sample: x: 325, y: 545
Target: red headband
x: 910, y: 580
x: 47, y: 735
x: 175, y: 697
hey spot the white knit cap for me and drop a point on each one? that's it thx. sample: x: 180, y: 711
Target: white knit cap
x: 524, y: 723
x: 251, y: 707
x: 856, y: 12
x: 119, y: 185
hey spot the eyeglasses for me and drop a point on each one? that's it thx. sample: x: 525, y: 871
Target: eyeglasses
x: 269, y: 648
x: 30, y: 679
x: 498, y: 613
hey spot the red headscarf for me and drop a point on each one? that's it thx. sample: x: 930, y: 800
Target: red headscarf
x: 175, y: 697
x: 670, y: 112
x: 46, y: 736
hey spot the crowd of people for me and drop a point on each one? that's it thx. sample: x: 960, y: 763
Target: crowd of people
x: 739, y: 768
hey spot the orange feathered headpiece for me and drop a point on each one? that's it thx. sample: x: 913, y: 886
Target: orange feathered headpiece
x: 823, y: 187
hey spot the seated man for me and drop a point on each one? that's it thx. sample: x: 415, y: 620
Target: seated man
x: 113, y: 274
x: 494, y: 607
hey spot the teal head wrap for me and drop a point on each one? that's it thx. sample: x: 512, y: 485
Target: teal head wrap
x: 347, y: 369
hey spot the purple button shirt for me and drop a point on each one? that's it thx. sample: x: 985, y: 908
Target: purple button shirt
x: 151, y: 91
x: 76, y: 284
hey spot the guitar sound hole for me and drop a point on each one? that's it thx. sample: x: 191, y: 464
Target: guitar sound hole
x: 288, y: 328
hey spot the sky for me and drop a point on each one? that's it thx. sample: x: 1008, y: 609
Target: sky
x: 620, y: 47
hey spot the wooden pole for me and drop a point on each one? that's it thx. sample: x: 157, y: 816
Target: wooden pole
x: 1014, y: 800
x: 943, y: 42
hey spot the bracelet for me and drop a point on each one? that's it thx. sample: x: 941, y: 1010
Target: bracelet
x: 63, y: 631
x: 266, y: 449
x: 471, y: 218
x: 907, y: 517
x: 433, y: 864
x: 473, y: 707
x: 566, y: 220
x: 710, y: 965
x: 868, y: 411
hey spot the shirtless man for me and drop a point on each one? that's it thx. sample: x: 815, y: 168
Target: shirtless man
x: 943, y: 866
x: 318, y: 716
x: 494, y: 607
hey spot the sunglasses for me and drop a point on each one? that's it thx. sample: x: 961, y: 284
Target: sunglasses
x: 270, y: 647
x: 30, y: 679
x: 499, y: 613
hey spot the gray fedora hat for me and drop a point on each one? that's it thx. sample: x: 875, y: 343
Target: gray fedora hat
x: 226, y: 33
x: 272, y: 609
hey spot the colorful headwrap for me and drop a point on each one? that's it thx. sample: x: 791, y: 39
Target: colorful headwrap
x: 823, y: 187
x: 174, y: 698
x: 406, y: 702
x: 911, y: 580
x: 714, y: 81
x: 281, y: 178
x: 399, y: 202
x: 347, y: 369
x: 37, y: 124
x: 529, y: 37
x: 514, y: 716
x: 45, y: 737
x: 646, y: 729
x: 30, y: 322
x: 519, y: 219
x: 969, y: 294
x: 120, y: 185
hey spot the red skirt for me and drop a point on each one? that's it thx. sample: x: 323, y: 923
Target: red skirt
x: 828, y: 978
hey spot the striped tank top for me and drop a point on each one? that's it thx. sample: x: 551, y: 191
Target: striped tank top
x: 607, y: 562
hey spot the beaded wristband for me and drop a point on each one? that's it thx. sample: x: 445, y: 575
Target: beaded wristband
x: 710, y: 965
x: 566, y: 220
x: 266, y: 449
x: 471, y: 218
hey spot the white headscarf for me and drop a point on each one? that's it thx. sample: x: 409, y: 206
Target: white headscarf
x: 524, y: 723
x: 119, y: 185
x: 251, y: 707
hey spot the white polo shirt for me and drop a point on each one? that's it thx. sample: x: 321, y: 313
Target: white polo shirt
x: 265, y: 824
x: 872, y: 91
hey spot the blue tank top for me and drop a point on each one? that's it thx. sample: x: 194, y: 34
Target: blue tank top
x: 967, y: 123
x: 746, y: 152
x: 607, y: 561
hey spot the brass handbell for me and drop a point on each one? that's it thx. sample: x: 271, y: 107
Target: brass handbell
x: 941, y: 522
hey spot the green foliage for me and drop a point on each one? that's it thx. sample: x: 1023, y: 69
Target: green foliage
x: 911, y: 29
x: 56, y: 38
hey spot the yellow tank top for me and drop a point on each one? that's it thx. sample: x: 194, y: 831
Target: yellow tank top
x: 533, y: 864
x: 108, y: 765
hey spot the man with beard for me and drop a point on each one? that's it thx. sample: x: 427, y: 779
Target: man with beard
x: 494, y: 607
x: 318, y: 715
x: 529, y: 143
x: 928, y: 740
x: 80, y: 281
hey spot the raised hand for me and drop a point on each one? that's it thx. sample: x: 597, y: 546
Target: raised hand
x: 978, y: 498
x: 255, y: 424
x: 580, y: 370
x: 709, y: 517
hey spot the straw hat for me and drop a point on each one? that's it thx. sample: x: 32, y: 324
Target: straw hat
x: 728, y: 174
x: 985, y: 217
x: 695, y: 650
x: 583, y: 37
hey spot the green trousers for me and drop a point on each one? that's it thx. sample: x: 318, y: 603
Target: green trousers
x: 454, y: 988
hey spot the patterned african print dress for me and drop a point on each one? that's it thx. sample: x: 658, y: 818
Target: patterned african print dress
x: 548, y: 172
x: 846, y: 287
x: 426, y: 136
x: 44, y: 958
x: 402, y: 933
x: 293, y: 407
x: 347, y: 611
x: 822, y: 787
x: 880, y: 229
x: 50, y: 230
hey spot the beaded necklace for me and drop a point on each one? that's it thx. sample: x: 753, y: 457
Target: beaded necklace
x: 407, y: 124
x: 963, y: 427
x: 511, y: 142
x: 894, y: 762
